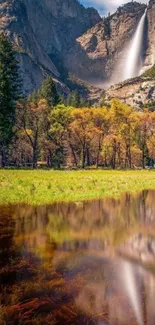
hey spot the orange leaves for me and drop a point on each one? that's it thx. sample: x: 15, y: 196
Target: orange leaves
x: 115, y: 136
x: 87, y: 123
x: 38, y: 107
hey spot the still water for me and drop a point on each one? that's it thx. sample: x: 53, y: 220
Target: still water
x: 84, y: 263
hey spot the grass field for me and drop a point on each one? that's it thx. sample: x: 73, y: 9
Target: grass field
x: 42, y: 187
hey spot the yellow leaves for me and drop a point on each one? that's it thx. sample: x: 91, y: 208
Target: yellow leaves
x: 118, y: 132
x: 120, y: 110
x: 87, y: 123
x: 28, y: 131
x: 82, y: 114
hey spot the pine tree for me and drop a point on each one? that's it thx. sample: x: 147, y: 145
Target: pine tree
x: 48, y: 91
x: 9, y: 93
x: 34, y: 97
x: 74, y: 99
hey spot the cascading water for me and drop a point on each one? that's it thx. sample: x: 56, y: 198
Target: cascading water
x: 133, y: 64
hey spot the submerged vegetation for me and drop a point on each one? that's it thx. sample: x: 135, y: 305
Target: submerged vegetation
x: 41, y: 187
x: 47, y: 300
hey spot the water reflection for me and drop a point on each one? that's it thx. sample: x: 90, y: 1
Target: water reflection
x: 79, y: 263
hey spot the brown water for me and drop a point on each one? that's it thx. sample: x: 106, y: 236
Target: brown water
x: 90, y: 263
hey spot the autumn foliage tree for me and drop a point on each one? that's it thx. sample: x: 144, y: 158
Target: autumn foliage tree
x: 121, y: 133
x: 113, y: 137
x: 87, y: 130
x: 143, y: 133
x: 33, y: 120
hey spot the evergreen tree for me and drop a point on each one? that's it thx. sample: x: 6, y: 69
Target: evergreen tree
x: 69, y: 100
x: 74, y: 99
x: 34, y: 97
x: 48, y: 91
x: 9, y: 93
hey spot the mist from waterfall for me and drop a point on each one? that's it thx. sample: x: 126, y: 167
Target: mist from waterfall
x: 133, y: 64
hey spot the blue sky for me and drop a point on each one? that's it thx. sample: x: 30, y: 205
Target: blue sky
x: 105, y: 6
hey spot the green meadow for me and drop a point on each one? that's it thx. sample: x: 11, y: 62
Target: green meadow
x: 43, y: 187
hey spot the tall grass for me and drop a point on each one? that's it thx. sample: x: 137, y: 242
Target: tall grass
x: 43, y: 187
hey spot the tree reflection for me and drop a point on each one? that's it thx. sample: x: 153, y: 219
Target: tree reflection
x: 79, y: 263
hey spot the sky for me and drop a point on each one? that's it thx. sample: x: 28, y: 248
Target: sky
x: 105, y: 6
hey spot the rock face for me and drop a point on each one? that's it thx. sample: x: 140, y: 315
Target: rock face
x: 136, y: 92
x: 150, y: 53
x: 41, y: 31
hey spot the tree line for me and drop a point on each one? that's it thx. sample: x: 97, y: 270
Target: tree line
x: 43, y: 130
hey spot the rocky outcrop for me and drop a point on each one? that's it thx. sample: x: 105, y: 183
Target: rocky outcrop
x: 150, y: 52
x: 41, y: 31
x: 137, y: 92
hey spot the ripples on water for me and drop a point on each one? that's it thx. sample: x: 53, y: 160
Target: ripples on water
x: 80, y: 263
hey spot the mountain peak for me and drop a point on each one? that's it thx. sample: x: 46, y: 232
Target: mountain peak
x: 131, y: 7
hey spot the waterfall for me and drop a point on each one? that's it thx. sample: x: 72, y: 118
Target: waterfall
x: 133, y: 62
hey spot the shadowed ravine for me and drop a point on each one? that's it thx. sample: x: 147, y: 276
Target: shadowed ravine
x: 79, y: 263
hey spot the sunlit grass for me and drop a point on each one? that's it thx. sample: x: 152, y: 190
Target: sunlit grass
x: 42, y: 187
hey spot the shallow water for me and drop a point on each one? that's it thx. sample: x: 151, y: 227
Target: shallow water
x: 79, y: 263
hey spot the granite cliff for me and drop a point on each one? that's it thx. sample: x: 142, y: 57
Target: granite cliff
x: 41, y: 31
x: 150, y: 48
x: 138, y: 92
x: 69, y: 42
